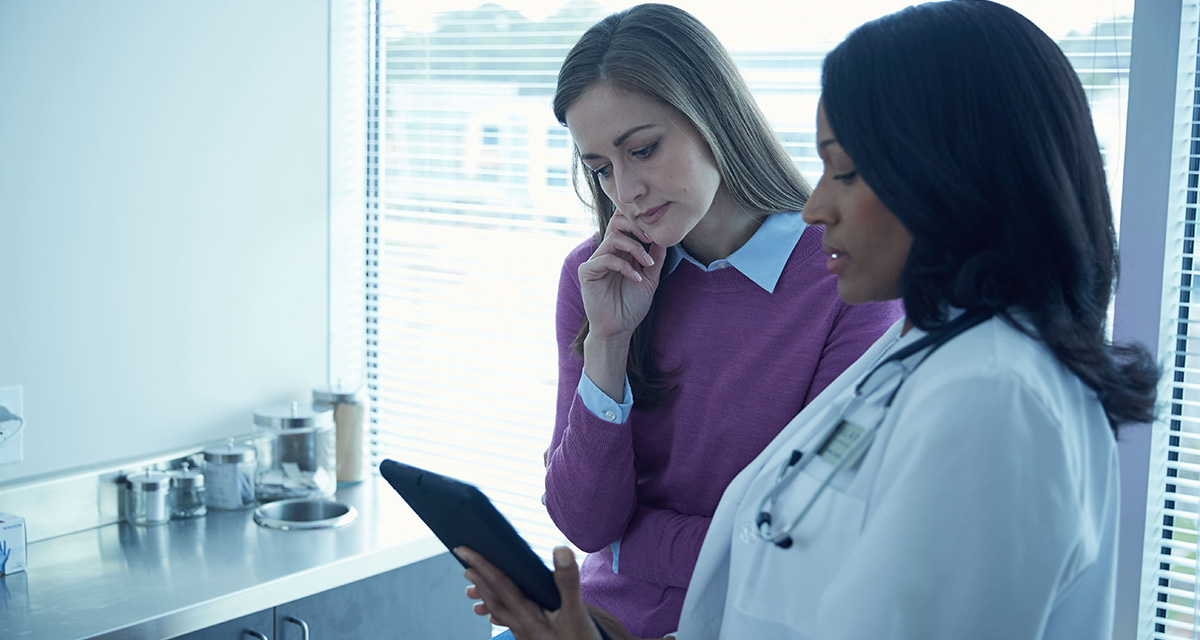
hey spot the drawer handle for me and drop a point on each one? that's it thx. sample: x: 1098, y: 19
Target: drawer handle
x: 302, y: 624
x: 254, y: 634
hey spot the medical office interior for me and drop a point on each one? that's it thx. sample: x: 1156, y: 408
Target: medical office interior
x: 208, y: 208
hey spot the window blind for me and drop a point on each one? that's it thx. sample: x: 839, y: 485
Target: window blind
x: 1173, y: 609
x: 474, y: 212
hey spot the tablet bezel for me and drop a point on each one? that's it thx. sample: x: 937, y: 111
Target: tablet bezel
x: 459, y: 514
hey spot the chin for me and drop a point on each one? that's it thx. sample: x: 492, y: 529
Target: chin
x: 665, y: 237
x: 852, y: 294
x: 849, y: 294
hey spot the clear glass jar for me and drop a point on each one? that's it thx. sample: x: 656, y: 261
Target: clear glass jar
x: 229, y: 475
x: 187, y: 493
x: 148, y: 498
x: 296, y: 452
x: 351, y: 417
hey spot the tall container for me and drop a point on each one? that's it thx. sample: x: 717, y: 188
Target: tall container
x: 351, y: 417
x: 296, y: 452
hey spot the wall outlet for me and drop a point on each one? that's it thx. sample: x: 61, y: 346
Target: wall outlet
x: 12, y: 414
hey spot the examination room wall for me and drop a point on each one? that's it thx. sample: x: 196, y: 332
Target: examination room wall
x: 163, y: 220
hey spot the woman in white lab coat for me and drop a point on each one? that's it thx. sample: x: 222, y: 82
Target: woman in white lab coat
x: 960, y: 479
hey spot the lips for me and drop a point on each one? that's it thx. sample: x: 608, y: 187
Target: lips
x: 837, y: 259
x: 653, y: 215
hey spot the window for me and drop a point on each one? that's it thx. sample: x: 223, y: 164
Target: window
x: 557, y: 138
x: 477, y: 212
x: 557, y: 176
x: 1168, y: 606
x: 491, y: 135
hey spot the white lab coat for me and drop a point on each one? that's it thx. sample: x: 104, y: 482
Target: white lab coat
x: 986, y: 507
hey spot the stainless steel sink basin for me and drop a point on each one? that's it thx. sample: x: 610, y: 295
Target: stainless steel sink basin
x: 304, y: 513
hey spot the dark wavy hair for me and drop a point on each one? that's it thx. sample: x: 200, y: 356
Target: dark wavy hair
x: 666, y: 54
x: 969, y: 124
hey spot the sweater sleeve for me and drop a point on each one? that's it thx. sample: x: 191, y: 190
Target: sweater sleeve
x: 661, y: 546
x: 854, y: 329
x: 591, y: 490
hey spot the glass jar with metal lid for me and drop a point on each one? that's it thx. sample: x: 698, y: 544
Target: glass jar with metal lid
x: 229, y: 473
x: 351, y: 415
x: 296, y: 452
x: 148, y: 498
x: 187, y: 493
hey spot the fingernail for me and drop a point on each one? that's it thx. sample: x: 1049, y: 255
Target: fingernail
x: 637, y: 276
x: 562, y: 558
x: 649, y: 260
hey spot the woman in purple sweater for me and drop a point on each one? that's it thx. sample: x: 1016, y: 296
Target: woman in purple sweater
x: 675, y: 374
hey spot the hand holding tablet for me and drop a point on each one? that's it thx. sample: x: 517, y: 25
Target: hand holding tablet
x: 460, y: 515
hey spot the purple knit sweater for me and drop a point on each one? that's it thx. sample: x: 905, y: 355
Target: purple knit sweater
x: 748, y: 361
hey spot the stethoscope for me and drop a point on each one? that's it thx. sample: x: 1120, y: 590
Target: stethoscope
x: 849, y: 439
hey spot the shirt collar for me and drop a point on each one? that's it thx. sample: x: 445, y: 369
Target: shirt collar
x: 763, y: 256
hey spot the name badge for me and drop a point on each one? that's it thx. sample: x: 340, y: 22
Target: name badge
x: 839, y: 444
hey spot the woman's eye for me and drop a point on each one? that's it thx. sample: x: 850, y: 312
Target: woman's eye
x: 846, y: 178
x: 602, y: 173
x: 645, y: 151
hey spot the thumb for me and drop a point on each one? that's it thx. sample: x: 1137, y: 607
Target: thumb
x: 566, y: 576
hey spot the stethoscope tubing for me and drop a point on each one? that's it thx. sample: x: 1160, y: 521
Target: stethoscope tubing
x: 798, y: 460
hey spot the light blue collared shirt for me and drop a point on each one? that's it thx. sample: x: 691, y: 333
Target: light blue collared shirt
x: 763, y: 256
x: 761, y: 259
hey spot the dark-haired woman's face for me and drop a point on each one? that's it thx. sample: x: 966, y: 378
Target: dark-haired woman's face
x: 866, y: 243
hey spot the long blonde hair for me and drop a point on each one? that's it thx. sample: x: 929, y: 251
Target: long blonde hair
x: 665, y: 53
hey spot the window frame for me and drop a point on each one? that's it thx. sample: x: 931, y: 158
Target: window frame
x: 1139, y: 305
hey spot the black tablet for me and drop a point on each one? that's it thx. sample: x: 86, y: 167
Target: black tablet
x: 460, y: 515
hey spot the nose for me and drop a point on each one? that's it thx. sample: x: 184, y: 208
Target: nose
x: 818, y: 210
x: 627, y: 184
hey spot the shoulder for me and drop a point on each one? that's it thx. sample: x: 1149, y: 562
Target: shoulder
x: 996, y: 363
x: 994, y: 407
x: 569, y: 296
x: 993, y: 347
x: 580, y: 254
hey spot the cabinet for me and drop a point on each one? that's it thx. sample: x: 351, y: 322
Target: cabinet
x: 243, y: 628
x: 425, y: 600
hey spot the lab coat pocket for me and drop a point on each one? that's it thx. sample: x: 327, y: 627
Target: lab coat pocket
x: 782, y: 587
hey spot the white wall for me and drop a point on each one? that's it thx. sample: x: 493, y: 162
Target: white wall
x: 163, y: 220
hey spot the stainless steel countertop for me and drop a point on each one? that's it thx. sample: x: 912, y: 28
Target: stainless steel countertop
x: 125, y: 581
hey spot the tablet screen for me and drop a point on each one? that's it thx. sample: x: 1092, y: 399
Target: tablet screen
x: 460, y: 515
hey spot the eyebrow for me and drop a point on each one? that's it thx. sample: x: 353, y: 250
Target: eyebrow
x: 619, y: 140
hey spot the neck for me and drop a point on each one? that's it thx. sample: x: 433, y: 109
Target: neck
x: 724, y: 229
x: 907, y: 326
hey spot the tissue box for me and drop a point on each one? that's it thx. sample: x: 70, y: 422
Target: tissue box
x: 12, y: 543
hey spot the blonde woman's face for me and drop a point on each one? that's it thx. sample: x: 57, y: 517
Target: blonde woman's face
x: 866, y: 243
x: 648, y: 158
